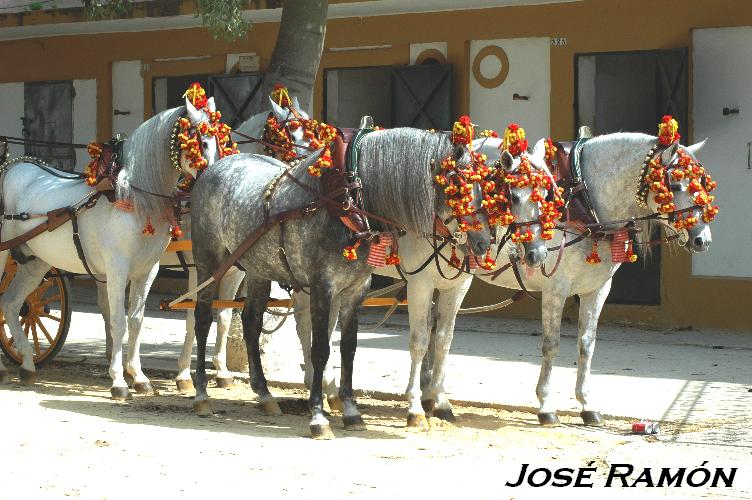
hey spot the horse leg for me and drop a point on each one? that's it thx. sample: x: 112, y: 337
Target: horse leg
x: 257, y: 295
x: 419, y: 295
x: 117, y: 280
x: 351, y: 299
x: 447, y: 305
x: 183, y: 378
x: 590, y: 310
x: 4, y: 373
x: 25, y: 281
x: 426, y: 367
x: 104, y: 308
x: 228, y: 289
x: 321, y: 315
x: 302, y: 308
x: 552, y: 304
x: 203, y: 322
x: 136, y: 305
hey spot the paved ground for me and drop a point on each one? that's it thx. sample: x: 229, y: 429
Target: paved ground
x: 69, y: 440
x: 680, y: 376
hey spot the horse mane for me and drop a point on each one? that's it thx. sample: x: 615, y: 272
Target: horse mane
x: 147, y: 165
x: 397, y: 167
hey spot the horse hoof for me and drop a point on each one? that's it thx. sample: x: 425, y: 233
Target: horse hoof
x: 591, y: 418
x: 143, y: 388
x: 4, y: 377
x: 202, y: 408
x: 548, y: 419
x: 354, y: 423
x: 27, y: 377
x: 185, y: 385
x: 120, y: 393
x: 417, y: 420
x: 321, y: 431
x: 335, y: 404
x: 128, y: 378
x: 225, y: 382
x: 445, y: 414
x: 427, y: 405
x: 270, y: 408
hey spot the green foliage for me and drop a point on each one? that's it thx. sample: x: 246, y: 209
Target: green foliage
x: 223, y: 18
x: 107, y: 9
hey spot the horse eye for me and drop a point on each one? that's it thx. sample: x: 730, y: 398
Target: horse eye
x: 676, y: 186
x: 516, y: 198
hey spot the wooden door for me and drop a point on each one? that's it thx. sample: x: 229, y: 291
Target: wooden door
x: 48, y: 116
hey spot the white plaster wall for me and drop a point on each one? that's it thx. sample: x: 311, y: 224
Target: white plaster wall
x: 721, y: 78
x: 529, y: 63
x: 127, y: 95
x: 417, y: 48
x: 11, y: 111
x: 84, y: 118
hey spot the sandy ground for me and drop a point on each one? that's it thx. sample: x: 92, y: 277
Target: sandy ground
x: 64, y: 438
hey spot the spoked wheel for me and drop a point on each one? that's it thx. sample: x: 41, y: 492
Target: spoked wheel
x: 45, y: 317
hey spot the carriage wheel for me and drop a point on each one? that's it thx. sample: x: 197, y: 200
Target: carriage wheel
x: 45, y: 317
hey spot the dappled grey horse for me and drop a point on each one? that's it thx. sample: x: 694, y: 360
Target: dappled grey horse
x: 395, y: 167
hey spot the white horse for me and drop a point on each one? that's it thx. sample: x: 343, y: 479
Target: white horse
x: 114, y: 244
x: 427, y: 392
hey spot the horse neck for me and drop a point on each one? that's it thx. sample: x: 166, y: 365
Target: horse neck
x: 611, y: 167
x: 147, y: 165
x: 396, y: 175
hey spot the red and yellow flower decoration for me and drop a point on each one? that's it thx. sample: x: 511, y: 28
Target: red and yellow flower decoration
x: 668, y: 131
x: 95, y: 151
x: 458, y: 182
x: 514, y: 140
x: 281, y: 96
x: 684, y: 168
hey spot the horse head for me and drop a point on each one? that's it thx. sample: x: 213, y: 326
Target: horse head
x: 459, y: 202
x: 202, y: 136
x: 686, y: 202
x: 527, y: 185
x: 292, y: 120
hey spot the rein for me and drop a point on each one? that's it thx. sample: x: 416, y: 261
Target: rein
x: 38, y: 142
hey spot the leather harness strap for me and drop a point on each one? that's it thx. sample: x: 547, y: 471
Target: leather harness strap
x: 79, y: 246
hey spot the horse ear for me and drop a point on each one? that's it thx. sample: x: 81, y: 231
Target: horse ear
x: 278, y: 111
x: 506, y: 160
x: 295, y: 103
x: 194, y: 115
x: 694, y: 148
x: 539, y: 149
x: 668, y: 154
x: 459, y: 152
x: 211, y: 105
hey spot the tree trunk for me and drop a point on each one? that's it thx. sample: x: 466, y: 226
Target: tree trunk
x: 297, y: 54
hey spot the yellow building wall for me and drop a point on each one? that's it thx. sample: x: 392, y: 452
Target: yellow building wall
x: 589, y: 26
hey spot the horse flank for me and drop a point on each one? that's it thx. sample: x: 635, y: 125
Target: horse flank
x: 148, y: 166
x: 397, y: 168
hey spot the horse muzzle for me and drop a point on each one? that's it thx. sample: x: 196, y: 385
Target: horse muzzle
x: 699, y: 241
x: 536, y: 255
